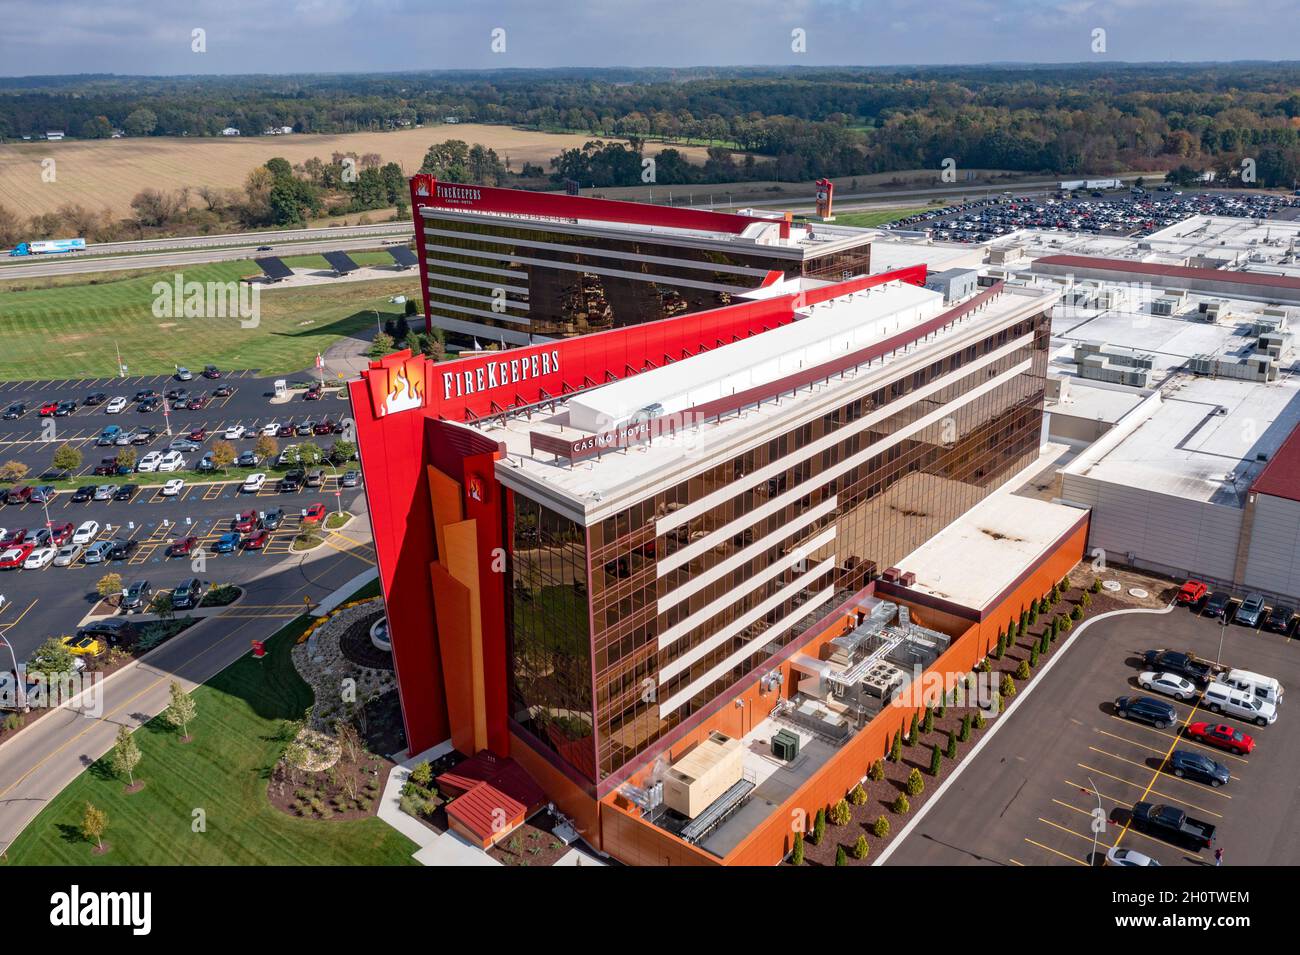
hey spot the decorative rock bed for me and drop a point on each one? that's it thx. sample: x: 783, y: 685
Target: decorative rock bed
x: 328, y: 658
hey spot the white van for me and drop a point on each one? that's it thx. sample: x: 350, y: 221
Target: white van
x: 1221, y: 698
x: 1265, y: 688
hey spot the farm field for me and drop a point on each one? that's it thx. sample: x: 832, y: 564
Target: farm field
x: 109, y: 172
x: 69, y: 331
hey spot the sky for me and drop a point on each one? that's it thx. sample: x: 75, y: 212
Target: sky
x: 42, y: 37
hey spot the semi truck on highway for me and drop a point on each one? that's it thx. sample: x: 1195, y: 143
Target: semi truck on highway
x: 1075, y: 184
x: 49, y: 247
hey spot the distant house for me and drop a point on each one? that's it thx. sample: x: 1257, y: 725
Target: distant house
x: 286, y: 130
x: 277, y: 131
x: 230, y: 131
x: 54, y: 135
x: 451, y: 119
x: 118, y: 133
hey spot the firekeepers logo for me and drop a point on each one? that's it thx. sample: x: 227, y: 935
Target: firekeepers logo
x: 458, y: 193
x: 398, y: 387
x: 498, y: 372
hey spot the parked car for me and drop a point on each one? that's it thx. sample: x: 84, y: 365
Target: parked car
x: 226, y: 543
x: 249, y: 459
x: 211, y: 371
x: 197, y: 403
x: 39, y: 557
x: 244, y: 522
x: 235, y: 431
x: 1264, y: 688
x: 111, y: 631
x: 11, y: 538
x: 1251, y: 610
x: 86, y: 533
x: 149, y: 404
x: 1180, y: 664
x: 19, y: 494
x: 292, y: 481
x: 122, y: 548
x: 48, y: 409
x: 143, y: 434
x: 198, y: 434
x: 256, y: 540
x: 315, y: 477
x: 350, y: 479
x: 1146, y: 709
x: 1170, y: 684
x: 37, y: 537
x: 15, y: 410
x: 108, y: 437
x: 149, y: 462
x: 1172, y: 824
x: 83, y: 494
x: 1279, y: 619
x: 187, y: 594
x: 253, y: 483
x: 1216, y: 605
x: 286, y: 430
x: 1221, y: 698
x: 173, y: 487
x: 1185, y: 763
x: 305, y: 428
x: 61, y: 533
x: 184, y: 374
x: 44, y: 494
x: 314, y: 514
x: 13, y: 557
x: 136, y: 597
x: 144, y: 394
x: 224, y: 391
x: 270, y: 429
x: 67, y: 555
x: 95, y: 398
x: 324, y: 426
x: 183, y: 445
x: 1118, y: 855
x: 97, y: 552
x: 171, y: 461
x: 104, y: 492
x: 272, y: 520
x: 182, y: 546
x: 1222, y: 735
x: 83, y: 646
x: 65, y: 408
x: 126, y: 492
x: 109, y: 466
x: 115, y: 406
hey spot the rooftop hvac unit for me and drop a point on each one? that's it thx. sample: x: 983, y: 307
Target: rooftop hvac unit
x: 785, y: 745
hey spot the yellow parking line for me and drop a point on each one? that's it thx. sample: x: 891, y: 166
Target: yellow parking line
x: 1055, y: 852
x: 1155, y: 776
x: 1066, y: 805
x: 1180, y: 738
x: 1016, y: 862
x: 1054, y: 825
x: 1149, y: 789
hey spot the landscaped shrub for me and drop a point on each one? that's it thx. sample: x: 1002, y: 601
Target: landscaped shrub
x: 858, y: 795
x: 896, y: 748
x: 1033, y: 614
x: 819, y: 827
x: 978, y: 721
x: 1022, y: 671
x: 936, y: 760
x: 796, y: 857
x: 1055, y: 594
x: 963, y: 732
x: 880, y: 828
x: 841, y: 857
x: 1065, y: 583
x: 1002, y: 703
x: 876, y: 772
x: 1076, y: 613
x: 1085, y: 599
x: 912, y: 730
x: 1033, y: 656
x: 951, y: 751
x: 1008, y: 685
x: 901, y: 806
x: 840, y: 813
x: 861, y: 848
x: 422, y: 775
x: 927, y: 724
x: 1096, y: 585
x: 1001, y: 648
x: 1066, y: 624
x: 915, y: 784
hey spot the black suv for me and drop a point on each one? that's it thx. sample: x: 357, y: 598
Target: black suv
x: 120, y: 549
x: 1216, y: 605
x: 98, y: 398
x: 1184, y: 763
x: 292, y: 481
x: 1183, y: 664
x: 136, y: 597
x: 114, y: 631
x: 1144, y: 709
x: 1279, y: 619
x: 187, y: 594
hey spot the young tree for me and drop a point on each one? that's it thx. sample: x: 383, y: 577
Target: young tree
x: 182, y: 709
x: 951, y: 751
x: 380, y: 345
x: 126, y: 755
x: 819, y: 827
x: 52, y: 656
x: 796, y: 857
x: 1008, y: 686
x: 927, y: 724
x: 126, y: 457
x: 66, y: 458
x: 896, y: 749
x: 880, y: 828
x: 266, y: 447
x: 109, y: 586
x: 915, y: 784
x: 840, y: 813
x: 858, y: 795
x: 876, y: 772
x: 841, y: 857
x: 936, y: 760
x: 963, y: 732
x: 912, y: 730
x: 13, y: 471
x: 223, y: 455
x: 94, y: 823
x: 901, y: 806
x: 861, y: 847
x: 162, y: 605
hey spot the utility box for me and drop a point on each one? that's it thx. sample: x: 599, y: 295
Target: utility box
x: 785, y: 745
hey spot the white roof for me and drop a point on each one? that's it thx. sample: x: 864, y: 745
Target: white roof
x: 828, y: 331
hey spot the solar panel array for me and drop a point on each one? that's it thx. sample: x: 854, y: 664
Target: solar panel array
x: 341, y: 262
x: 403, y: 256
x: 273, y: 268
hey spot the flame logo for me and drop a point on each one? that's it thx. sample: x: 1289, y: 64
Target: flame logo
x: 405, y: 389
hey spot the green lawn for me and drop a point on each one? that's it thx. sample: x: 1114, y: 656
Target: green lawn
x: 870, y: 220
x: 54, y: 329
x: 223, y: 771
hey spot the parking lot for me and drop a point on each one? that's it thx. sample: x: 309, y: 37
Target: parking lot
x: 1031, y: 795
x: 32, y: 439
x: 52, y: 600
x: 1114, y: 213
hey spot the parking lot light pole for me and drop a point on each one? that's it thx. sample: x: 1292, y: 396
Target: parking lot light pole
x: 1101, y: 815
x: 20, y: 691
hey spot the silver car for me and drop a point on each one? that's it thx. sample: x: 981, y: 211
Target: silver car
x: 104, y: 492
x: 97, y: 552
x: 67, y: 555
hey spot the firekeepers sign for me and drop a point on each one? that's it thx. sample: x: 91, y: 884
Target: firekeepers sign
x: 399, y: 386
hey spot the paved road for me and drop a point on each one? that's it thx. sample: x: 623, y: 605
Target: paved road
x: 37, y: 763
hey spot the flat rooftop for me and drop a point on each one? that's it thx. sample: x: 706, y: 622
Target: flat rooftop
x: 1096, y: 401
x: 976, y: 557
x: 588, y: 488
x: 1207, y: 439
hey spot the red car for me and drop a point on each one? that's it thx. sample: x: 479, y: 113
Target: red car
x: 13, y: 537
x: 324, y: 426
x: 60, y: 534
x: 1223, y: 736
x: 1192, y: 592
x: 182, y: 546
x: 198, y: 434
x: 313, y: 394
x: 314, y: 514
x: 197, y: 403
x: 48, y: 409
x: 255, y: 541
x: 14, y: 556
x: 245, y: 522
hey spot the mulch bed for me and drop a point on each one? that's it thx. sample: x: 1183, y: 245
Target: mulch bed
x: 356, y: 645
x: 532, y: 844
x: 881, y: 794
x: 322, y: 795
x: 385, y: 731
